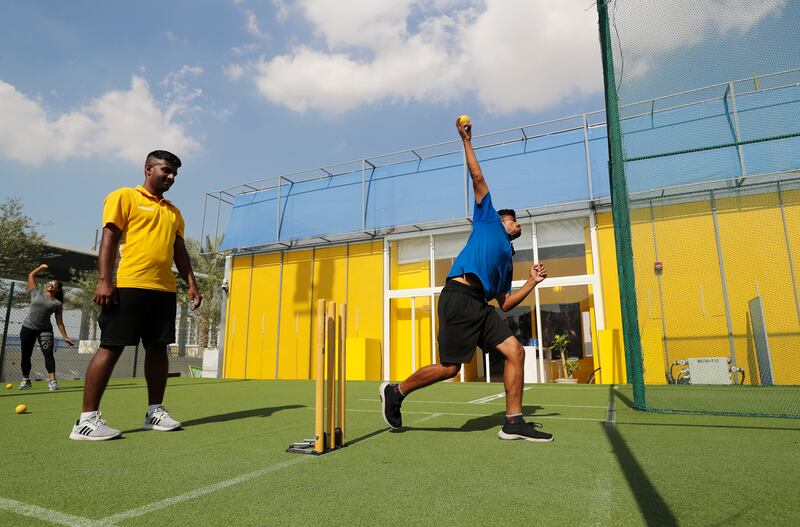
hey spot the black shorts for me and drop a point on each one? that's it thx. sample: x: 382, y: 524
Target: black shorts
x: 138, y: 314
x: 466, y: 320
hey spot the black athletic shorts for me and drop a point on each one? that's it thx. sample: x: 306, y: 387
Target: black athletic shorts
x: 466, y: 320
x: 138, y: 314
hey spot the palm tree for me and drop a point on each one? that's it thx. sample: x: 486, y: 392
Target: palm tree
x: 209, y: 267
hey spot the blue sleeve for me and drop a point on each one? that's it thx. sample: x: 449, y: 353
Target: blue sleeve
x: 484, y: 211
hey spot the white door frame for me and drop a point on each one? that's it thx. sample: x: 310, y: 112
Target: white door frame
x: 431, y: 292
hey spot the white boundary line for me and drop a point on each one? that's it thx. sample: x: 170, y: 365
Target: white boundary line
x: 493, y: 397
x: 48, y: 515
x: 603, y: 407
x: 611, y: 411
x: 438, y: 414
x: 427, y: 418
x: 146, y: 509
x: 61, y: 518
x: 162, y: 504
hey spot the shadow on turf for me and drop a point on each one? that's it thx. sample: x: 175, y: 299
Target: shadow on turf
x: 626, y: 400
x: 654, y: 509
x: 232, y: 416
x: 478, y: 424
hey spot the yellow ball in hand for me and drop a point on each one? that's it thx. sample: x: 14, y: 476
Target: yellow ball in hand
x: 464, y: 119
x: 21, y: 408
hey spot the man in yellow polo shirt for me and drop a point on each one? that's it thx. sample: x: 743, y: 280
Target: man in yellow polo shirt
x: 139, y: 302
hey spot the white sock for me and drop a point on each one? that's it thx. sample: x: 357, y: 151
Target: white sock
x: 87, y: 415
x: 152, y: 408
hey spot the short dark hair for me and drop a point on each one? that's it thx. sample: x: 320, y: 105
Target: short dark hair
x: 163, y: 155
x: 59, y: 295
x: 507, y: 212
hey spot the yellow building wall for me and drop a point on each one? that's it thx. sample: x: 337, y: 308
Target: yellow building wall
x: 263, y: 318
x: 330, y: 284
x: 408, y: 276
x: 688, y: 292
x: 365, y: 307
x: 257, y: 295
x: 611, y: 348
x: 295, y: 320
x: 237, y: 319
x: 757, y: 263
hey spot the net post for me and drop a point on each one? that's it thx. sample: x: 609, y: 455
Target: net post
x: 621, y: 214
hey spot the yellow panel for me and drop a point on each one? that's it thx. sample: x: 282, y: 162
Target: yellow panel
x: 238, y: 305
x: 757, y: 263
x: 402, y: 363
x: 791, y: 210
x: 409, y: 275
x: 295, y: 319
x: 365, y: 300
x: 330, y: 283
x: 263, y: 320
x: 363, y: 359
x: 615, y: 374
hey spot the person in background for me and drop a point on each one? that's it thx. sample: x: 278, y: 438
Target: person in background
x: 37, y: 326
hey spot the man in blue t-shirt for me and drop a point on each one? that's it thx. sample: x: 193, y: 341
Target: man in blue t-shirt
x: 481, y: 271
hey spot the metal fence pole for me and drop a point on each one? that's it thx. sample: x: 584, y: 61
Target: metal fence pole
x: 5, y: 326
x: 586, y: 153
x: 182, y: 329
x: 737, y: 134
x: 135, y: 358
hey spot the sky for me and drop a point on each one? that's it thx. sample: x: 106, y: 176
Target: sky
x: 246, y: 89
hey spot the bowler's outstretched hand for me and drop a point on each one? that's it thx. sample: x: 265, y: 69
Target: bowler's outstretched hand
x: 538, y: 273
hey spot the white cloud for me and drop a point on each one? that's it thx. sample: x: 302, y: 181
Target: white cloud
x: 281, y: 10
x: 513, y: 54
x: 125, y: 124
x: 640, y: 41
x: 244, y: 49
x: 233, y: 71
x: 253, y: 26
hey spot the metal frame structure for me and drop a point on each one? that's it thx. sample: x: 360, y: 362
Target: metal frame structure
x: 573, y: 123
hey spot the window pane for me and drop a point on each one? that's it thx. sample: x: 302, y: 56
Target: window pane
x: 410, y: 263
x: 523, y: 254
x: 446, y: 248
x: 563, y: 311
x: 562, y: 246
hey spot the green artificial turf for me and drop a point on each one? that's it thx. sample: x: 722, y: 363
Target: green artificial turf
x: 229, y: 465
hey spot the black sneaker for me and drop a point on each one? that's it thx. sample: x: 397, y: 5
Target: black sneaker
x: 522, y: 430
x: 390, y: 405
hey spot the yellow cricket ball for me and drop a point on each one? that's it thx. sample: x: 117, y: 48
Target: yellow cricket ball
x: 21, y: 408
x: 463, y: 119
x: 9, y: 386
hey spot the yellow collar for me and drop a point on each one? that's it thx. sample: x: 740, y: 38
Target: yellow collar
x: 147, y: 194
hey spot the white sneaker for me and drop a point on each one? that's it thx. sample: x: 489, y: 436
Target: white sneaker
x: 25, y: 384
x: 93, y: 428
x: 160, y: 420
x: 53, y: 385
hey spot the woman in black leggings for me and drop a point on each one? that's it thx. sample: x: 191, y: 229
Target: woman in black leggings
x: 37, y: 327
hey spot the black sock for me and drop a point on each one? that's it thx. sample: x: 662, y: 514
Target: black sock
x: 514, y: 419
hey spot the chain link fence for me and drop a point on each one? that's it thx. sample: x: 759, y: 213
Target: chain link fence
x: 196, y: 334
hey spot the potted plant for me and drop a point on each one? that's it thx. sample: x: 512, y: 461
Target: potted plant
x: 571, y: 365
x: 560, y: 345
